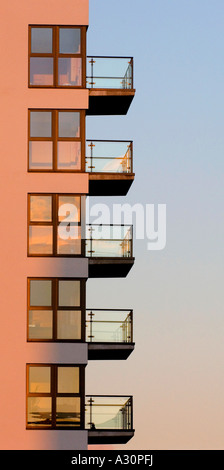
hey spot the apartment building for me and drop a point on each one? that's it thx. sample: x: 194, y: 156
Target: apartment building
x: 48, y: 86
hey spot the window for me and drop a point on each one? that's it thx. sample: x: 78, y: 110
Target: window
x: 57, y: 56
x: 55, y: 396
x: 56, y: 309
x: 56, y: 140
x: 54, y: 225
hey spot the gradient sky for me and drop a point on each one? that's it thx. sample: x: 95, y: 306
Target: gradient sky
x: 176, y: 122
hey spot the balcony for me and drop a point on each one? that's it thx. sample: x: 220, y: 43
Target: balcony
x: 109, y: 333
x: 110, y: 83
x: 110, y: 167
x: 109, y: 419
x: 109, y: 249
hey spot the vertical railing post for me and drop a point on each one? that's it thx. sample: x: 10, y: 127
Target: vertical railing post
x: 91, y: 401
x: 91, y: 336
x: 131, y: 156
x: 92, y: 62
x: 131, y: 328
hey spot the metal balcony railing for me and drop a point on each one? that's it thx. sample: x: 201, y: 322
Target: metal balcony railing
x: 109, y: 72
x: 109, y: 412
x: 109, y: 326
x: 109, y: 156
x: 109, y: 241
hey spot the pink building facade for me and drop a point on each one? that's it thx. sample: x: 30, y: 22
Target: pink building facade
x: 44, y: 101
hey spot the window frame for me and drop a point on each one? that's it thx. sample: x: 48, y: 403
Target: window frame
x: 54, y: 394
x: 55, y: 54
x: 55, y: 139
x: 54, y: 307
x: 54, y: 224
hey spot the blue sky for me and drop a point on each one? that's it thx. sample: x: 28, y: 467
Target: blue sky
x: 176, y: 122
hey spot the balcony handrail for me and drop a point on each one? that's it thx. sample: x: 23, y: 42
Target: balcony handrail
x: 109, y: 140
x: 110, y: 309
x: 109, y: 396
x: 109, y: 57
x: 110, y: 225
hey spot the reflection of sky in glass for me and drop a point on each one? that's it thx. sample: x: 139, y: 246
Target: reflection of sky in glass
x: 40, y: 208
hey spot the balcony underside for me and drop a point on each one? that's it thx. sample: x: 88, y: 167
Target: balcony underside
x: 109, y: 351
x: 109, y: 102
x: 110, y: 267
x: 110, y: 184
x: 111, y: 436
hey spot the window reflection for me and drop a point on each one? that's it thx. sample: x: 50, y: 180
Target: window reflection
x: 40, y: 240
x: 39, y: 411
x: 69, y: 293
x: 40, y: 123
x: 69, y: 156
x: 39, y: 379
x: 41, y: 71
x: 41, y: 40
x: 55, y: 225
x: 69, y: 41
x: 68, y: 124
x: 53, y: 396
x: 59, y: 46
x: 68, y: 411
x: 40, y: 324
x: 69, y: 324
x: 69, y: 71
x: 40, y: 293
x: 54, y: 309
x: 68, y: 379
x: 55, y: 140
x: 40, y: 208
x: 40, y: 155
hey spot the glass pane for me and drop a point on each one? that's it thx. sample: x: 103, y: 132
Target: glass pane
x: 39, y: 379
x: 69, y: 156
x: 40, y: 208
x: 69, y: 240
x: 69, y: 324
x: 39, y: 411
x: 41, y: 71
x: 69, y: 294
x: 69, y: 209
x: 68, y: 124
x: 40, y: 124
x: 69, y: 41
x: 41, y: 40
x: 68, y: 411
x: 68, y: 380
x: 40, y: 240
x: 70, y: 71
x: 40, y: 155
x: 40, y: 324
x: 40, y: 293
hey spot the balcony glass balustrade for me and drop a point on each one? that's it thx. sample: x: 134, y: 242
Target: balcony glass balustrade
x: 109, y: 72
x: 110, y: 167
x: 108, y: 156
x: 109, y: 249
x: 109, y: 241
x: 109, y: 326
x: 109, y: 333
x: 108, y: 413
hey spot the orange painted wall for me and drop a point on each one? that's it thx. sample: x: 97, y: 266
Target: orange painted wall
x: 15, y: 183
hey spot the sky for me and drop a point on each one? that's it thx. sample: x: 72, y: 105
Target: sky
x: 176, y: 119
